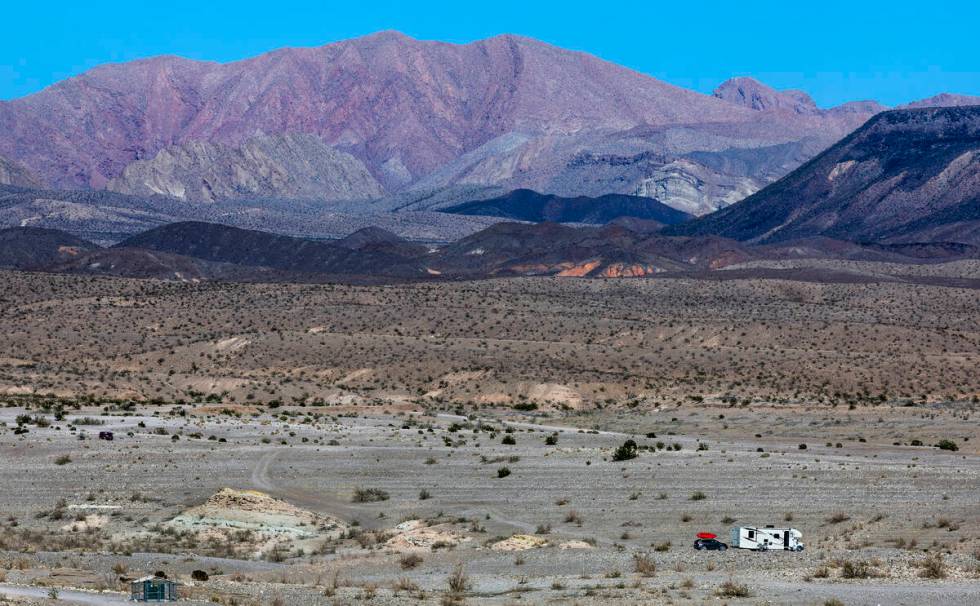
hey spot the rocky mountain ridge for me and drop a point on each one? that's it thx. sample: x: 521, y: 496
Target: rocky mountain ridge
x: 908, y: 175
x: 506, y: 112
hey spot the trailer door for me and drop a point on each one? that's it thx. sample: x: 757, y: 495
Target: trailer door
x: 785, y: 539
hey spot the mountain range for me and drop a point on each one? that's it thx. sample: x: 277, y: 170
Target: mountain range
x: 439, y: 142
x: 387, y: 114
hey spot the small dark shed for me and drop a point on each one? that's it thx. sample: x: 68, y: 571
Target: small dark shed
x: 153, y: 589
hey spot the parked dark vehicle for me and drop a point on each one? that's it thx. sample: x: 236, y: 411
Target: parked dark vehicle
x: 710, y: 544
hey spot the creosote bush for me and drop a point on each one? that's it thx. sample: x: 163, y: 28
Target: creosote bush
x: 731, y: 589
x: 369, y: 495
x: 625, y: 452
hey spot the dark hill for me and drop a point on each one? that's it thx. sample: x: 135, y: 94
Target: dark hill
x: 34, y: 248
x: 224, y: 244
x: 528, y: 205
x: 608, y: 251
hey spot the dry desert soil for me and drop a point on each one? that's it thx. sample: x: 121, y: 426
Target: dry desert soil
x: 455, y: 443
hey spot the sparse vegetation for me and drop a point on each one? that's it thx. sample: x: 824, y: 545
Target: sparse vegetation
x: 369, y: 495
x: 625, y: 452
x: 731, y: 589
x: 644, y: 565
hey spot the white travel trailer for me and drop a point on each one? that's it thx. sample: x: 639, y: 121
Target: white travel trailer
x: 767, y: 537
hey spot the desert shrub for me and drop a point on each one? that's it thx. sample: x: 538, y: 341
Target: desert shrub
x: 731, y: 589
x: 369, y: 495
x: 551, y: 440
x: 644, y: 565
x: 857, y: 569
x: 199, y: 575
x: 503, y: 472
x: 933, y: 567
x: 62, y: 460
x: 625, y: 452
x: 410, y: 561
x: 88, y: 421
x: 698, y: 496
x: 458, y: 581
x: 947, y: 445
x: 838, y: 517
x: 509, y: 440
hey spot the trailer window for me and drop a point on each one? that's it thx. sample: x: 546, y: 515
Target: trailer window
x: 751, y: 534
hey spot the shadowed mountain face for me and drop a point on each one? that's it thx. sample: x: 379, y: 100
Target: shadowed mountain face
x: 506, y: 111
x: 527, y: 205
x: 905, y: 176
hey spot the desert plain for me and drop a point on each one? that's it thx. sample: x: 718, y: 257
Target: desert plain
x: 457, y: 442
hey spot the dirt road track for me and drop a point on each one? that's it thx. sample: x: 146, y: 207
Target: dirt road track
x: 330, y: 504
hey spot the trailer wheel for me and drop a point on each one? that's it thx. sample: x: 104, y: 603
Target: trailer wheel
x: 799, y: 548
x: 723, y: 548
x: 763, y: 547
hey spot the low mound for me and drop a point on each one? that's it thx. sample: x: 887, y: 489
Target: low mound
x: 270, y: 522
x: 519, y: 542
x: 415, y: 535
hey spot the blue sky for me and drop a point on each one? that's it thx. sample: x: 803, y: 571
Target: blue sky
x: 838, y: 51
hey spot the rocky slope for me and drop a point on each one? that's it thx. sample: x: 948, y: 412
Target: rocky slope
x: 944, y: 100
x: 906, y: 175
x: 292, y: 166
x: 14, y: 174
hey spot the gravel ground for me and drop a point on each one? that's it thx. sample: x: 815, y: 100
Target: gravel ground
x: 886, y: 493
